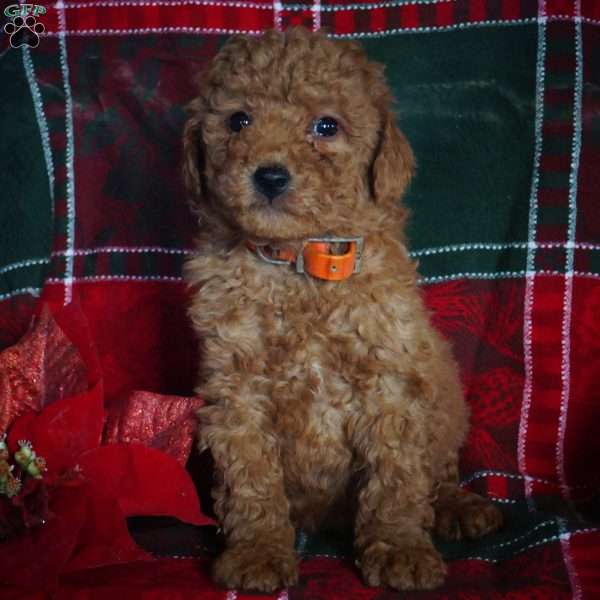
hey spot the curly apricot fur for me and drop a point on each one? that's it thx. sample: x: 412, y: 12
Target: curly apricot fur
x: 319, y: 394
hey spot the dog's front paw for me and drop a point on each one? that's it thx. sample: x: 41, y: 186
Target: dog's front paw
x: 403, y: 567
x: 256, y: 567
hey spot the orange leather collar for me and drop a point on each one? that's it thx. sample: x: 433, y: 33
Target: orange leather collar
x: 316, y: 258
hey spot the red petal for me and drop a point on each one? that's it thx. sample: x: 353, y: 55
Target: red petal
x: 41, y: 368
x: 74, y: 324
x: 103, y: 538
x: 145, y: 481
x: 63, y: 430
x: 167, y: 423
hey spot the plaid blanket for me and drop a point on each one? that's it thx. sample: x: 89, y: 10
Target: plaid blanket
x: 500, y: 100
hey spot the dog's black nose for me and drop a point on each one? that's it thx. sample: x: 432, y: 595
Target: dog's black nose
x: 272, y: 181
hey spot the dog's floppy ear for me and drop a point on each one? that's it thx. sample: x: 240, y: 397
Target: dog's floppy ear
x: 394, y: 163
x: 193, y: 155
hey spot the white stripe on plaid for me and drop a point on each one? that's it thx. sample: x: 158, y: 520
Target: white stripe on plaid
x: 277, y: 18
x: 543, y: 542
x: 575, y: 19
x: 70, y: 151
x: 568, y: 300
x: 472, y: 275
x: 553, y: 538
x: 376, y: 5
x: 169, y: 3
x: 33, y: 291
x: 288, y: 7
x: 504, y: 275
x: 257, y: 5
x: 316, y: 11
x: 467, y: 247
x: 40, y: 116
x: 570, y: 259
x: 482, y: 474
x: 116, y: 278
x: 147, y: 30
x: 530, y: 263
x: 30, y: 262
x: 524, y: 536
x: 565, y: 542
x: 278, y: 24
x: 23, y: 264
x: 125, y: 250
x: 492, y: 246
x: 455, y: 27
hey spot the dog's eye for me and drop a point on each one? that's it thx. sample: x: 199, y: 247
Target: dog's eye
x: 239, y: 120
x: 325, y: 127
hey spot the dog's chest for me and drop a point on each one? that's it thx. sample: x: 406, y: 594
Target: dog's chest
x: 305, y: 337
x: 311, y: 406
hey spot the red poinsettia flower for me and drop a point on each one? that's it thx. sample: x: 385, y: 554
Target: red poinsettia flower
x: 43, y: 367
x: 74, y: 508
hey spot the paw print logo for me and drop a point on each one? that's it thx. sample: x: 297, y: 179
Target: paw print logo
x: 24, y: 31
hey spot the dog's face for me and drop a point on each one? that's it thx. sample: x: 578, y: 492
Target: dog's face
x: 292, y: 137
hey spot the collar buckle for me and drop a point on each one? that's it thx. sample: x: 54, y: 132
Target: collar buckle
x: 319, y: 263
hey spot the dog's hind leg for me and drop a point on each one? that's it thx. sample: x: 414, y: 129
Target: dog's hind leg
x: 463, y: 514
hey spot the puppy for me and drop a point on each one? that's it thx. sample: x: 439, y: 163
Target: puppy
x: 327, y: 389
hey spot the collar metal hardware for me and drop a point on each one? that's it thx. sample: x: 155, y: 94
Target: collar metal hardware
x: 269, y: 259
